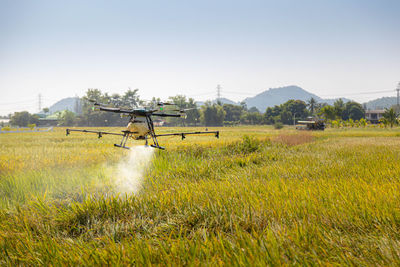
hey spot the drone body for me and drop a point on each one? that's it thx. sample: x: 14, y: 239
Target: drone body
x: 140, y: 125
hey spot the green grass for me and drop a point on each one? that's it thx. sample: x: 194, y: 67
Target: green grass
x: 274, y: 197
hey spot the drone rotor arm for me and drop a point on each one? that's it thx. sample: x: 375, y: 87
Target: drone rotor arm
x: 183, y: 135
x: 166, y: 115
x: 99, y: 133
x: 115, y: 110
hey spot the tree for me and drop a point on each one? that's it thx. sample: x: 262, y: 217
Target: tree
x: 243, y: 105
x: 192, y: 115
x: 46, y: 110
x: 93, y: 94
x: 328, y: 112
x: 91, y: 117
x: 116, y: 100
x: 353, y: 110
x: 131, y: 98
x: 338, y: 107
x: 254, y: 109
x: 286, y: 116
x: 355, y: 113
x: 212, y: 114
x: 271, y: 114
x: 319, y: 106
x: 286, y: 112
x: 297, y: 107
x: 252, y: 118
x: 180, y: 104
x: 312, y: 105
x: 233, y: 112
x: 390, y: 117
x: 22, y: 119
x: 293, y: 109
x: 179, y: 101
x: 66, y: 118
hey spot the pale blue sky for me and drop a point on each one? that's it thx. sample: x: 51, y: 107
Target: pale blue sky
x: 164, y: 48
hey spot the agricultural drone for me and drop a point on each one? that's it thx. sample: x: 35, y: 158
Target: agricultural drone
x: 140, y: 125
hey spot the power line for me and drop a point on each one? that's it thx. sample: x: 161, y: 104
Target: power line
x: 361, y: 93
x: 202, y: 94
x: 239, y: 93
x: 18, y: 102
x: 43, y: 99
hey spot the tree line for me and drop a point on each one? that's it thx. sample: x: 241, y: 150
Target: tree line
x: 209, y: 114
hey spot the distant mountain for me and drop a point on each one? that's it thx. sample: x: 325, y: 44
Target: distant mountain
x: 222, y: 100
x: 381, y: 103
x: 225, y: 101
x: 69, y: 103
x: 277, y: 96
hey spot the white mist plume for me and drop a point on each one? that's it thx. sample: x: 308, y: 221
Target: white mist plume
x: 130, y: 170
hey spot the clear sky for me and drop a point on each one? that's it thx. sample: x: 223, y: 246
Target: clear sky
x: 332, y: 48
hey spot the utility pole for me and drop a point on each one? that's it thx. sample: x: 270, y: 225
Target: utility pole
x: 40, y: 102
x: 218, y: 92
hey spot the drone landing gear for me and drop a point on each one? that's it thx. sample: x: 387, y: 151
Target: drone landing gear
x: 152, y: 134
x: 155, y: 145
x: 125, y: 137
x: 159, y: 147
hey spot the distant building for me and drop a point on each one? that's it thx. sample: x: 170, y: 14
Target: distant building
x: 374, y: 116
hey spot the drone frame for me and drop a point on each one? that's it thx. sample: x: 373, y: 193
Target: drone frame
x: 142, y: 113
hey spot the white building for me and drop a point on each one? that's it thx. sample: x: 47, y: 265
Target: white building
x: 374, y: 115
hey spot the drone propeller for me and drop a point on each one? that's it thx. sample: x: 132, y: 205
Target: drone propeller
x: 183, y: 110
x: 165, y: 104
x: 95, y: 103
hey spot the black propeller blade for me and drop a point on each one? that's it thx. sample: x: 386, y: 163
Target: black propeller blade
x: 94, y: 102
x: 165, y: 104
x: 183, y: 110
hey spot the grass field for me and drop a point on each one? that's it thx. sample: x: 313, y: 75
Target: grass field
x: 255, y: 196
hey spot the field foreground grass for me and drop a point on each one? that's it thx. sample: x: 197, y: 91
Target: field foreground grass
x: 255, y: 196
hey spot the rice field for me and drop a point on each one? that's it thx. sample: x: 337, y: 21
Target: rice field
x: 256, y: 196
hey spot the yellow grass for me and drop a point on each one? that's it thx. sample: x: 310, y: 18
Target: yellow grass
x: 272, y: 197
